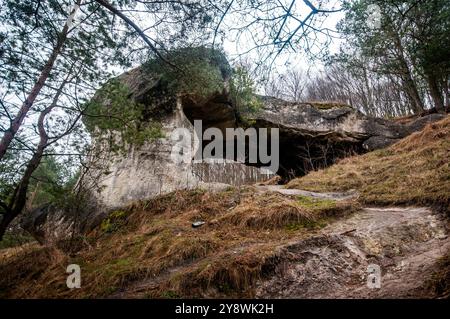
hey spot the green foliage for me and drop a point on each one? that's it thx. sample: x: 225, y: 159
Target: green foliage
x: 411, y: 43
x: 242, y: 89
x: 13, y: 240
x: 112, y: 111
x: 51, y: 182
x: 199, y: 71
x: 33, y: 28
x: 34, y: 45
x: 318, y: 204
x: 113, y: 222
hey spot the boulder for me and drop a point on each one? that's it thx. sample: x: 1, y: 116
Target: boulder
x: 49, y: 224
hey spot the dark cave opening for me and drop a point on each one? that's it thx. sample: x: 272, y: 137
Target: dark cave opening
x: 299, y: 152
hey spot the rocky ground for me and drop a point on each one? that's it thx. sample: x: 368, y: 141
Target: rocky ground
x: 406, y: 243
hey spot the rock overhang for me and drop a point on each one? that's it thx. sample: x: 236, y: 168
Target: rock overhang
x: 311, y: 135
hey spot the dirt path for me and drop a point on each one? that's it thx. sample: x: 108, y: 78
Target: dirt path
x: 404, y: 242
x: 291, y: 192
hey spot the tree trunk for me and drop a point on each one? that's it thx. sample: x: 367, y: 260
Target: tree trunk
x: 446, y: 84
x: 19, y: 198
x: 408, y: 80
x: 435, y: 93
x: 413, y: 94
x: 370, y: 103
x: 28, y: 103
x: 6, y: 220
x: 29, y: 205
x: 22, y: 188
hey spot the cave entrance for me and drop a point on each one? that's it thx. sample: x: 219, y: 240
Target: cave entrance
x: 299, y: 152
x: 302, y: 153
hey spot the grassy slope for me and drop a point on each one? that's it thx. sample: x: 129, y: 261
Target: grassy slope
x: 415, y: 170
x: 223, y: 257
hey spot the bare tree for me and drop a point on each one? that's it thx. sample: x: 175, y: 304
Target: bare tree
x: 294, y: 83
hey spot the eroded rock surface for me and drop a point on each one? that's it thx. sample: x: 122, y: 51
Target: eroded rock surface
x: 314, y: 135
x: 311, y: 136
x: 150, y: 170
x: 406, y: 243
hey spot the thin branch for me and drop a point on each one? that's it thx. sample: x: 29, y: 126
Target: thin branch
x: 127, y: 20
x: 220, y: 22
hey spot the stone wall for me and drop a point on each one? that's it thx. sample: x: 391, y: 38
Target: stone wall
x: 232, y: 173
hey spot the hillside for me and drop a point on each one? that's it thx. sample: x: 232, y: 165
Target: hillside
x: 414, y: 171
x: 149, y: 249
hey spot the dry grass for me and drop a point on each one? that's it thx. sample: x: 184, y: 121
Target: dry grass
x: 230, y: 274
x: 439, y: 283
x: 327, y: 105
x: 278, y: 211
x: 415, y: 170
x: 273, y: 211
x: 152, y: 239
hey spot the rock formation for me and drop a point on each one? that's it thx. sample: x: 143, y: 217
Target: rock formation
x: 312, y: 136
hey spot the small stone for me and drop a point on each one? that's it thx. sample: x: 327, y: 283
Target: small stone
x: 197, y: 224
x: 442, y: 236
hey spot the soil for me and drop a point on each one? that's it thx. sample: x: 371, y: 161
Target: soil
x: 406, y: 244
